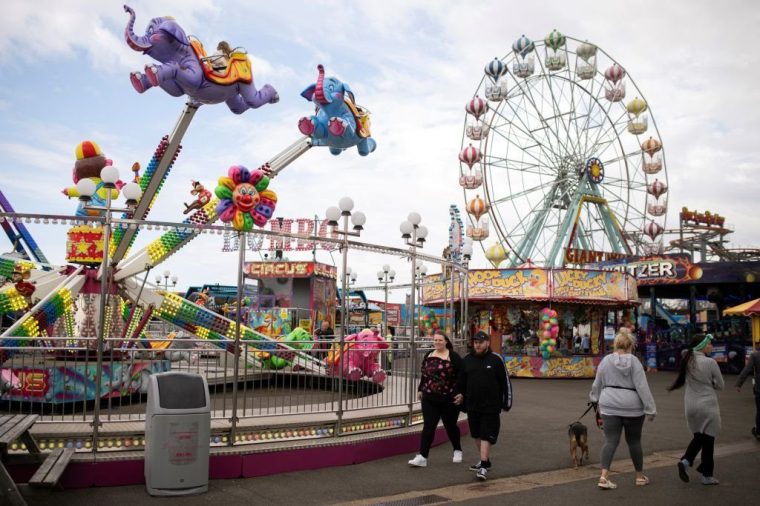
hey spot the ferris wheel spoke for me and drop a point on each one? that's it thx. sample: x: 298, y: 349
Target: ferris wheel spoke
x: 507, y: 161
x: 545, y: 79
x: 510, y: 139
x: 521, y: 194
x: 606, y: 118
x: 612, y: 126
x: 525, y: 130
x: 527, y: 87
x: 544, y: 119
x: 558, y: 114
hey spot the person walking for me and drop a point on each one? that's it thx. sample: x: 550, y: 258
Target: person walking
x: 702, y: 378
x: 439, y: 394
x: 753, y: 364
x: 622, y: 392
x: 487, y: 390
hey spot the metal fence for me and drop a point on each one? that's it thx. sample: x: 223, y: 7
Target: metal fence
x: 56, y: 379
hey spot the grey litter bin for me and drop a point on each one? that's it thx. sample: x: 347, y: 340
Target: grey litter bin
x: 177, y: 426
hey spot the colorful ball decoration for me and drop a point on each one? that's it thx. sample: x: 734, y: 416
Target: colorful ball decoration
x: 244, y: 198
x: 548, y: 331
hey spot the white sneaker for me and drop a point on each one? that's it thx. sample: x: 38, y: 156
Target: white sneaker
x: 418, y: 461
x: 457, y: 457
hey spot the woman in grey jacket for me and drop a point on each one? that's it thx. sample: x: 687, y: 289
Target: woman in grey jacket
x: 622, y: 392
x: 702, y: 377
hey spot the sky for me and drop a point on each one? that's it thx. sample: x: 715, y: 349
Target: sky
x: 64, y: 78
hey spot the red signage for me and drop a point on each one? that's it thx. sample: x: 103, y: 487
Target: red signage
x: 706, y: 218
x: 582, y: 256
x: 263, y: 270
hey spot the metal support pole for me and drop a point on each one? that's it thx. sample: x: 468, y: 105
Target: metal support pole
x: 385, y: 308
x: 413, y: 341
x: 344, y: 319
x: 102, y: 320
x: 238, y: 323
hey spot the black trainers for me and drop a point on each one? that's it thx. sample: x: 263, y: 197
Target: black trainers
x: 482, y: 474
x: 476, y: 467
x: 683, y: 466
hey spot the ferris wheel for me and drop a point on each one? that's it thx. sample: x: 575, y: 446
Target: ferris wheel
x: 561, y: 151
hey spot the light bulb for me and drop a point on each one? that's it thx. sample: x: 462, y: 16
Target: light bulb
x: 414, y: 218
x: 332, y: 214
x: 86, y: 188
x: 406, y: 229
x: 422, y: 232
x: 386, y: 267
x: 132, y: 192
x: 109, y: 174
x: 358, y: 219
x: 346, y: 204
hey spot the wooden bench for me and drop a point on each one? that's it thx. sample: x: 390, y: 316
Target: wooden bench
x: 52, y: 468
x: 13, y: 427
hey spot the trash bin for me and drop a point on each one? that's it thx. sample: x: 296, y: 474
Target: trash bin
x: 177, y: 426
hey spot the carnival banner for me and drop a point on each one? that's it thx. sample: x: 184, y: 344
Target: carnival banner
x: 500, y: 283
x: 679, y: 269
x: 584, y: 284
x: 537, y: 284
x: 555, y: 367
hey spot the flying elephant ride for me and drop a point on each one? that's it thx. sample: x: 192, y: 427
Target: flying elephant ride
x: 338, y: 122
x: 186, y: 69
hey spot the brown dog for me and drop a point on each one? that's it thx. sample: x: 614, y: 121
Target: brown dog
x: 578, y: 439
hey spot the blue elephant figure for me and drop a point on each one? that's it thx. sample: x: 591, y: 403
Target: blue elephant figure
x: 338, y: 122
x: 186, y: 70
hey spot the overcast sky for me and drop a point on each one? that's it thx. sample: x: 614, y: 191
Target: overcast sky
x: 414, y: 64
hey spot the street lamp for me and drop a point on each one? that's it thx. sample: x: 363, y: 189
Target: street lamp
x: 414, y: 236
x: 386, y: 276
x: 132, y: 193
x: 358, y: 219
x: 167, y: 276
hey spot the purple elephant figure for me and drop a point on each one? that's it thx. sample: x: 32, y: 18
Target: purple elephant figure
x: 363, y: 356
x: 182, y: 72
x: 338, y: 122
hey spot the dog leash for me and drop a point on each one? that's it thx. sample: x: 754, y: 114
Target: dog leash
x: 592, y: 405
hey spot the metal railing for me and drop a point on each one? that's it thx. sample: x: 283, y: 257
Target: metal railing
x: 56, y: 379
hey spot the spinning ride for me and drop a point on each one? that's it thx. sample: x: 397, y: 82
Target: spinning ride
x: 561, y: 151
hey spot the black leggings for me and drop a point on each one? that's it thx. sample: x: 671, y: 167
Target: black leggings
x: 433, y: 410
x: 707, y: 445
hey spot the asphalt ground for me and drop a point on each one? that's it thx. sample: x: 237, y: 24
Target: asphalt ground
x: 533, y: 440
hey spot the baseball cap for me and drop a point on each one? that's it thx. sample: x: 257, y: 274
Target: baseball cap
x: 481, y: 336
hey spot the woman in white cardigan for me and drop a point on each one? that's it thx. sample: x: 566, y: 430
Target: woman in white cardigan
x: 702, y: 378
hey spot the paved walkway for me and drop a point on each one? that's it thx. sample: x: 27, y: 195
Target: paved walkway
x: 531, y: 463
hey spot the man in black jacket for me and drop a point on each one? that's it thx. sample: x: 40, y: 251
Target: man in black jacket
x: 486, y: 390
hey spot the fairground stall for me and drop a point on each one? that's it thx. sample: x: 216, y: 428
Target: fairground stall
x: 547, y: 323
x: 706, y: 290
x: 291, y: 294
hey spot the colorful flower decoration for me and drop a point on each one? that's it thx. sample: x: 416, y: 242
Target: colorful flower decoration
x: 244, y: 199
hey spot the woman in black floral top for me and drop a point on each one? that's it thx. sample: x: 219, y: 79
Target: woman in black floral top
x: 440, y: 397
